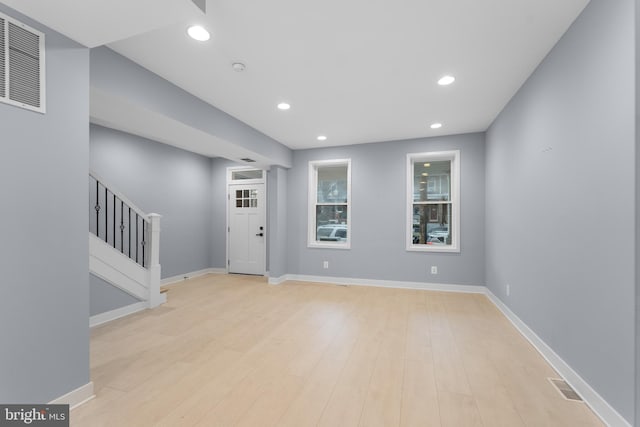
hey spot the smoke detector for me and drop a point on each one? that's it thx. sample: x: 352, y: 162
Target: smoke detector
x: 238, y: 66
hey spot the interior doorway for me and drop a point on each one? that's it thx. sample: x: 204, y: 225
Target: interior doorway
x: 246, y: 221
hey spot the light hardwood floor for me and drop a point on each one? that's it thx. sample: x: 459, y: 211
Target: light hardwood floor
x: 235, y: 351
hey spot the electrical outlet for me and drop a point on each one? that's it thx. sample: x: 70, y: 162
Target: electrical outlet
x: 325, y: 264
x: 434, y: 269
x: 508, y: 289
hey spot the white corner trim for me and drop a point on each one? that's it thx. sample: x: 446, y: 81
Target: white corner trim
x: 76, y: 397
x: 597, y: 404
x: 179, y: 278
x: 380, y: 283
x: 162, y: 299
x: 108, y: 316
x: 278, y: 280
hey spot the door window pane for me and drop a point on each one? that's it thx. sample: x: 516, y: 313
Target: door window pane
x: 246, y: 198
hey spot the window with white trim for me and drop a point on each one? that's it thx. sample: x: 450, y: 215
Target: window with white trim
x: 433, y: 201
x: 330, y: 204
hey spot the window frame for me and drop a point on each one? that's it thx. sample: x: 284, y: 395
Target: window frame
x: 232, y: 169
x: 312, y: 192
x: 434, y: 156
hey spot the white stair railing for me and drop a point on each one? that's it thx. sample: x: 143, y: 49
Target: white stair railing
x: 124, y: 243
x: 155, y: 297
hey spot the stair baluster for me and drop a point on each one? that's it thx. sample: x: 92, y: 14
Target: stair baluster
x: 141, y: 246
x: 105, y: 204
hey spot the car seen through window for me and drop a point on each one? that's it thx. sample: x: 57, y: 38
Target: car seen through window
x: 332, y: 233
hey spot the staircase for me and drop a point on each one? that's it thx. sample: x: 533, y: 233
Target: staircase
x: 124, y: 243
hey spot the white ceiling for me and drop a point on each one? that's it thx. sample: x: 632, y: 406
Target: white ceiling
x: 98, y: 22
x: 356, y: 71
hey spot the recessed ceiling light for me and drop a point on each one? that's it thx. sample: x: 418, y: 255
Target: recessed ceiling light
x: 322, y: 138
x: 436, y: 126
x: 426, y: 165
x: 238, y: 66
x: 197, y: 32
x: 283, y: 106
x: 425, y: 174
x: 446, y: 80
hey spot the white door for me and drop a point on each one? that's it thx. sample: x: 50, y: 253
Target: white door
x: 247, y: 231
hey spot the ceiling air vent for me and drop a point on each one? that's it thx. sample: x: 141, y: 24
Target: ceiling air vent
x: 21, y: 65
x: 248, y: 160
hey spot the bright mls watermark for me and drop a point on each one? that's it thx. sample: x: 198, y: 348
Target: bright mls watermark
x: 34, y: 415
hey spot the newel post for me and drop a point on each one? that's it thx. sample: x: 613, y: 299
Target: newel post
x: 155, y: 298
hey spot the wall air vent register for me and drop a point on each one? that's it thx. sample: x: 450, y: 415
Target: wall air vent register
x: 22, y: 76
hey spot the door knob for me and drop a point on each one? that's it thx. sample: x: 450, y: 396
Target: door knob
x: 260, y: 234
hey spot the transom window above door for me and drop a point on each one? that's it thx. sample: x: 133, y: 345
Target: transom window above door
x: 245, y: 175
x: 242, y: 175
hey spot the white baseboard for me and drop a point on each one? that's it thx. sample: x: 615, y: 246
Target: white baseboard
x: 597, y: 404
x: 378, y: 283
x: 108, y: 316
x: 277, y: 280
x: 162, y: 299
x: 179, y: 278
x: 76, y: 397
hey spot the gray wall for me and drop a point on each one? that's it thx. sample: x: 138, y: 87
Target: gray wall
x: 378, y: 218
x: 162, y: 179
x: 278, y: 222
x: 219, y: 216
x: 637, y: 212
x: 106, y: 297
x: 122, y: 78
x: 560, y: 201
x: 44, y: 301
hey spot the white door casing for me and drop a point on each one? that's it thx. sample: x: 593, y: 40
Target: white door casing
x: 247, y: 228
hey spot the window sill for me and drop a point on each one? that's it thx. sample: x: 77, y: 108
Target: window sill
x: 328, y: 245
x: 432, y: 248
